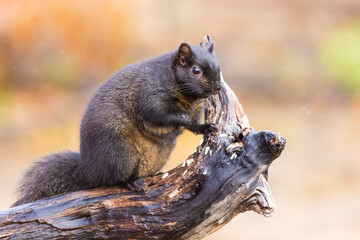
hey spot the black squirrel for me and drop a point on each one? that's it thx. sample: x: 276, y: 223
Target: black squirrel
x: 131, y: 124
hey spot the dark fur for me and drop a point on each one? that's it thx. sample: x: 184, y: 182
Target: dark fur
x: 53, y: 175
x: 131, y: 124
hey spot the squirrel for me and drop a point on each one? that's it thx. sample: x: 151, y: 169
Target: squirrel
x: 131, y: 124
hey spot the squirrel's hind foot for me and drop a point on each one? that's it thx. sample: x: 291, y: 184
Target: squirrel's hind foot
x: 137, y: 185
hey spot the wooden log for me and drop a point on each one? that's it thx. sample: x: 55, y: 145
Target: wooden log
x: 225, y: 176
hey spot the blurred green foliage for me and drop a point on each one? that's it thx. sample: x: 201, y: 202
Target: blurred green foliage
x: 339, y: 56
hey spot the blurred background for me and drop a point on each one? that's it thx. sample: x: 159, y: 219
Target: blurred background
x: 294, y: 65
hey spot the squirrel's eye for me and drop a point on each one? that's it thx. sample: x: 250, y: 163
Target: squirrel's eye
x: 196, y: 70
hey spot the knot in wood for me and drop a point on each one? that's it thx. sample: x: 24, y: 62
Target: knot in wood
x: 234, y: 148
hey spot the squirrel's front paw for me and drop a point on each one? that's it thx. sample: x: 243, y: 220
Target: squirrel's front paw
x: 205, y: 129
x: 210, y: 128
x: 137, y: 185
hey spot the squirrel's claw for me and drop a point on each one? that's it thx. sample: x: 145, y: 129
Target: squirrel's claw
x: 210, y: 128
x: 137, y: 185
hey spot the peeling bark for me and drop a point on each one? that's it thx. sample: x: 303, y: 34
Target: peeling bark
x: 225, y: 176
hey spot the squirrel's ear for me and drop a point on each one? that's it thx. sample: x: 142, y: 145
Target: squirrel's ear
x: 184, y: 54
x: 208, y: 44
x: 211, y: 48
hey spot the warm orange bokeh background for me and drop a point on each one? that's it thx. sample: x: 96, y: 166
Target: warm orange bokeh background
x: 295, y: 66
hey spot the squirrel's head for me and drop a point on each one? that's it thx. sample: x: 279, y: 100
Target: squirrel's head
x: 197, y: 71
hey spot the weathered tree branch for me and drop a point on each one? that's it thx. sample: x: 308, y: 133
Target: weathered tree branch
x: 223, y: 177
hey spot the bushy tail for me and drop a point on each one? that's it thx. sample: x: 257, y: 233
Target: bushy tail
x: 54, y: 174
